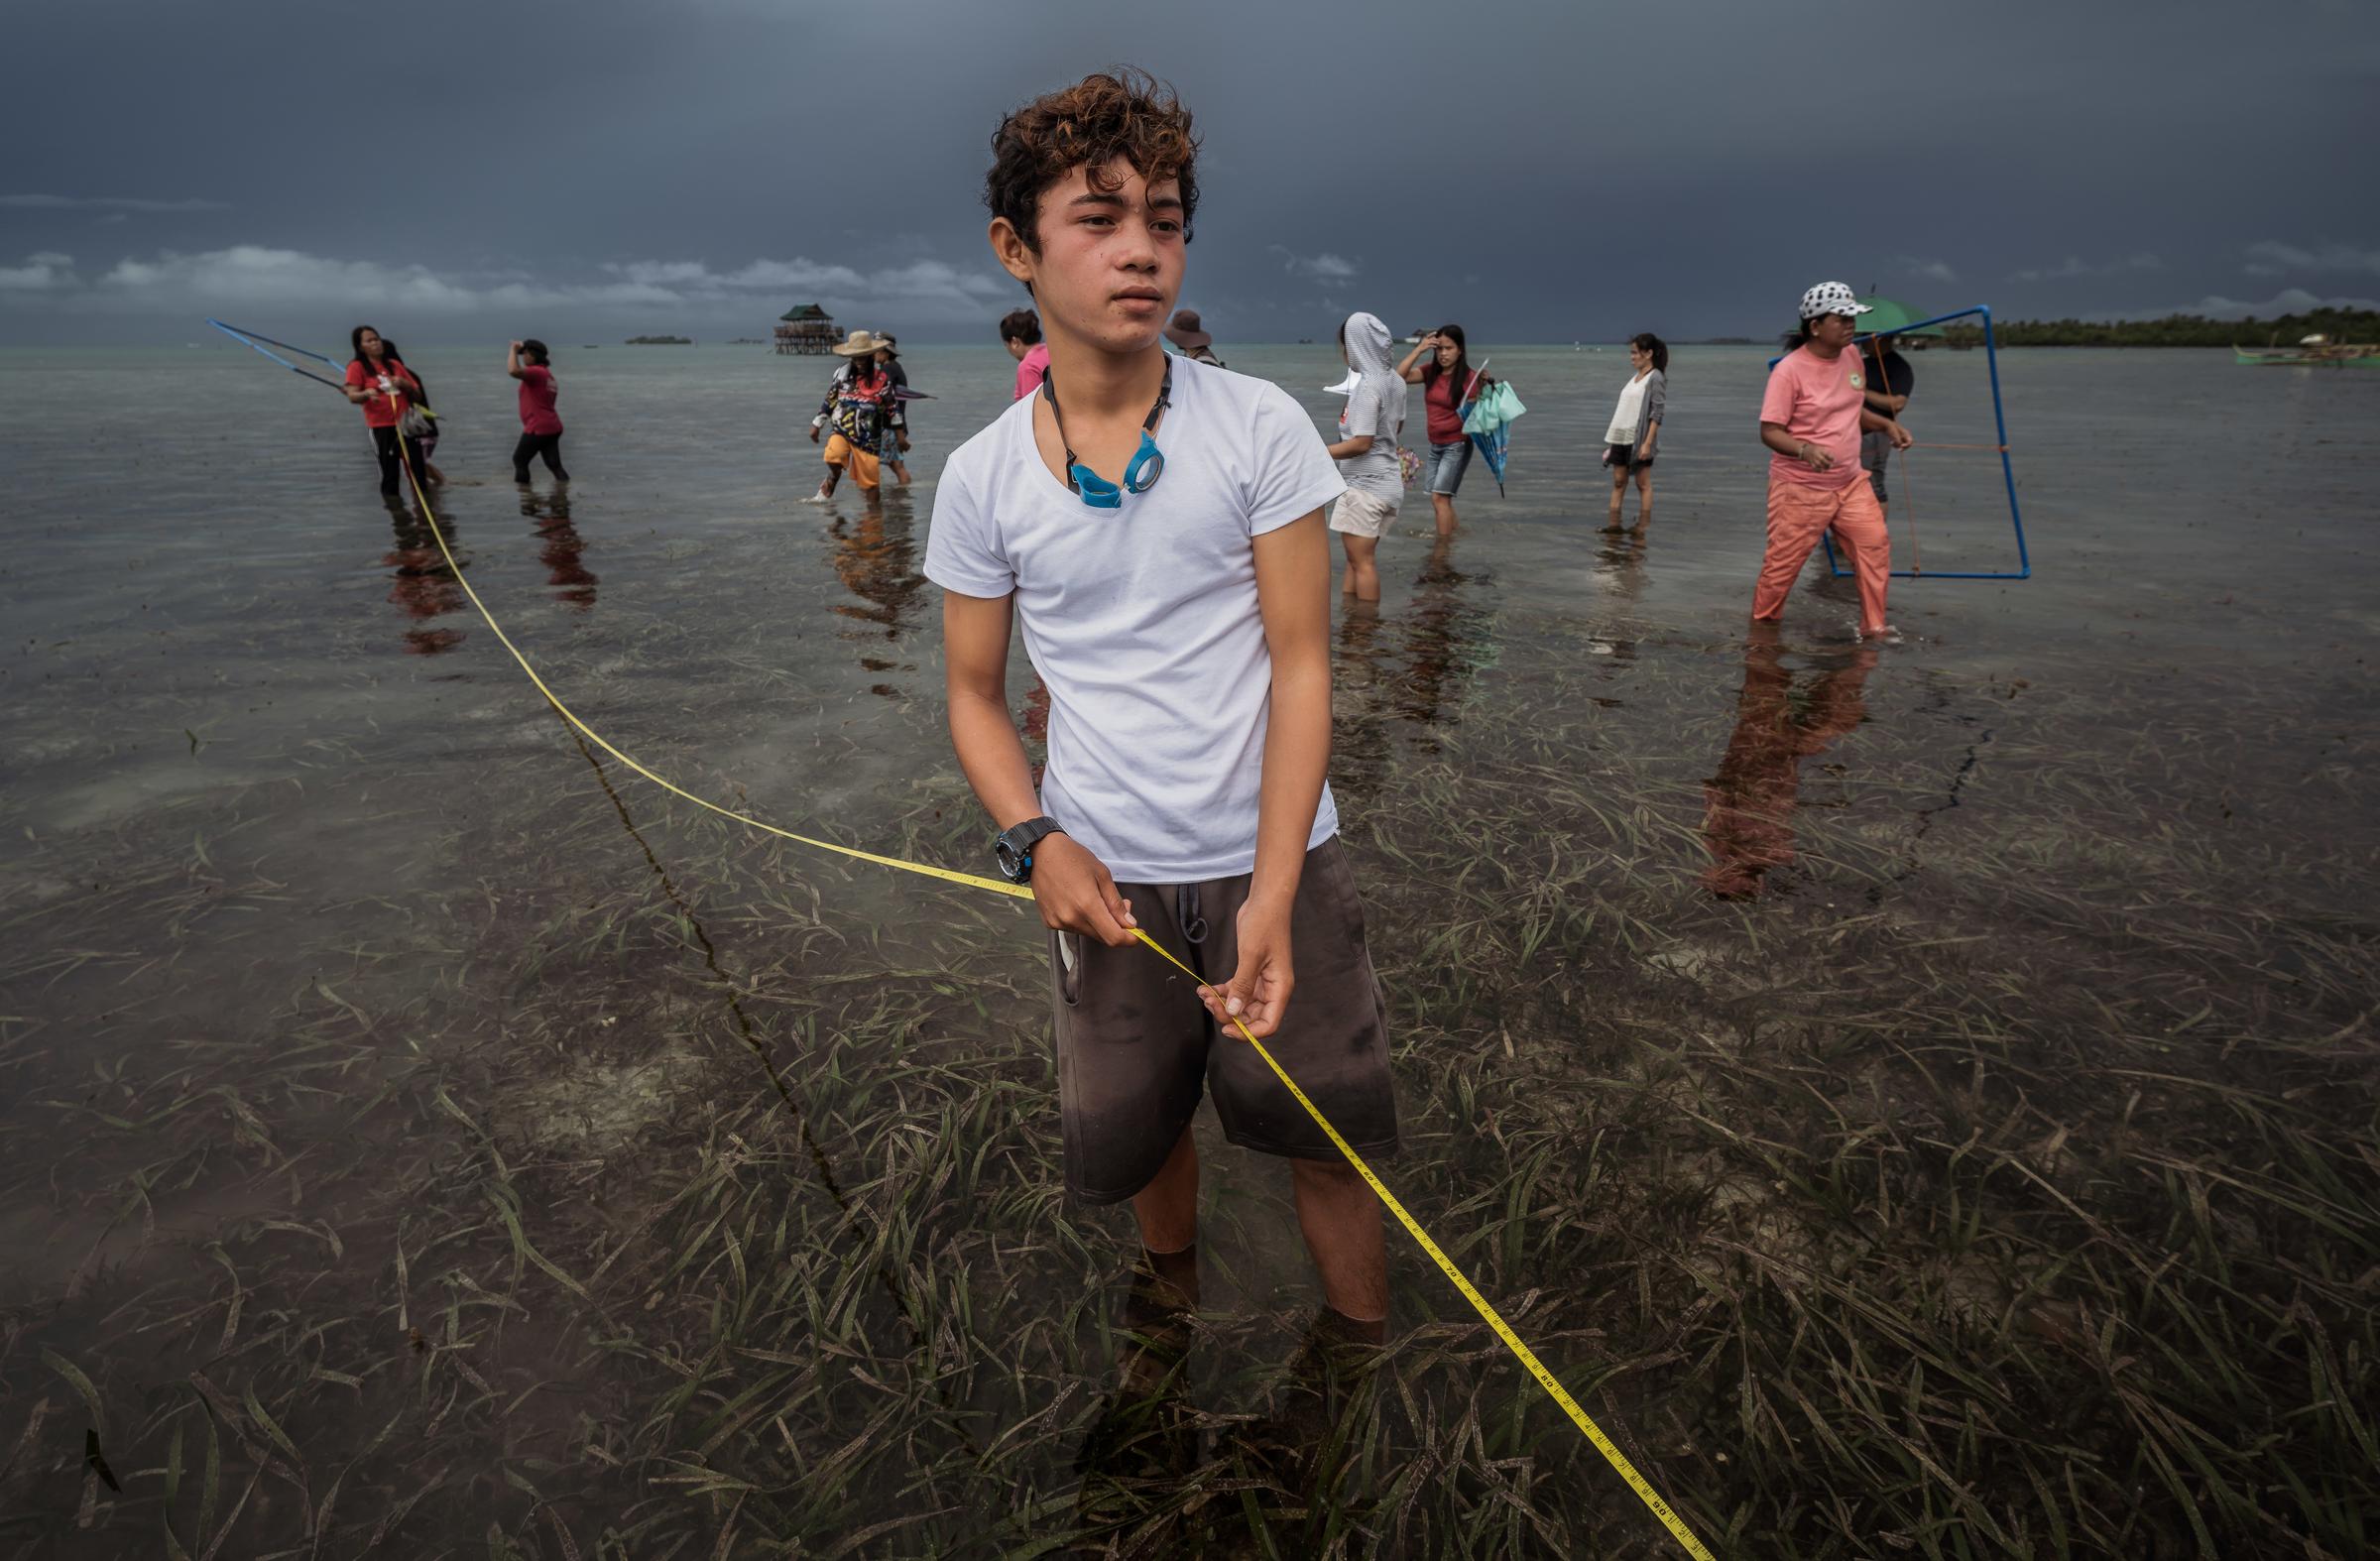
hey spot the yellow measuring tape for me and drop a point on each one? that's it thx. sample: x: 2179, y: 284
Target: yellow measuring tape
x: 1446, y: 1265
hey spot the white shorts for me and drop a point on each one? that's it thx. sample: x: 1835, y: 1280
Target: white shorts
x: 1359, y: 514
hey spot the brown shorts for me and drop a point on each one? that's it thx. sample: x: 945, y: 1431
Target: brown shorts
x: 1137, y: 1048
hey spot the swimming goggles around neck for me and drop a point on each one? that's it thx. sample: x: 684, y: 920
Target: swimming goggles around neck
x: 1141, y: 474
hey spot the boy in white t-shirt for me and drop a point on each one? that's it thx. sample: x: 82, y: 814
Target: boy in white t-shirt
x: 1156, y: 525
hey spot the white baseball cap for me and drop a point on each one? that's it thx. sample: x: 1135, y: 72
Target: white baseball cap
x: 1832, y: 298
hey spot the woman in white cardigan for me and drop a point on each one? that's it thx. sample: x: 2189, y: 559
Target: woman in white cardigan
x: 1636, y: 425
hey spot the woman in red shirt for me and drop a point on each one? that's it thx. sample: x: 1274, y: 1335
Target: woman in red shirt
x: 1447, y: 381
x: 540, y: 424
x: 379, y: 382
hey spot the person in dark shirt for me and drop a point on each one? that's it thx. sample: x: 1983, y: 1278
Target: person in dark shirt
x: 895, y: 439
x: 425, y: 442
x: 1889, y: 381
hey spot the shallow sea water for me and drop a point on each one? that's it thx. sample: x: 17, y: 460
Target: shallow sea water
x: 1918, y: 1099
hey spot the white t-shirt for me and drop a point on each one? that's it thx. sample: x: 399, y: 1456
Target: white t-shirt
x: 1625, y: 416
x: 1144, y: 621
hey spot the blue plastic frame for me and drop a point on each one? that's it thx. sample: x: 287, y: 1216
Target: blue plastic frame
x: 1999, y: 417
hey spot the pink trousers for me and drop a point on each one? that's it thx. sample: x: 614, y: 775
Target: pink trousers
x: 1798, y: 515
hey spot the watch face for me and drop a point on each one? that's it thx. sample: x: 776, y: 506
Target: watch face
x: 1011, y: 862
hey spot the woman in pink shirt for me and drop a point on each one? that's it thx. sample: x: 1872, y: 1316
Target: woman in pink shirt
x: 1811, y: 419
x: 1021, y: 330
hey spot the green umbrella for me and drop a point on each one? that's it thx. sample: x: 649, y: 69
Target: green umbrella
x: 1892, y: 315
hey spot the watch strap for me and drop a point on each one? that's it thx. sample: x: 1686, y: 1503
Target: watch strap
x: 1020, y: 839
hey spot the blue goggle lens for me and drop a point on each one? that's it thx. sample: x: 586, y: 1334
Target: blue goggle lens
x: 1146, y: 466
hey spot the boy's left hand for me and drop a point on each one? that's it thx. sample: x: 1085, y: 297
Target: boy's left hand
x: 1901, y: 437
x: 1258, y: 991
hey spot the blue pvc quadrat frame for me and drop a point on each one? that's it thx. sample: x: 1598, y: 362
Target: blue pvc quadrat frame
x: 1999, y: 417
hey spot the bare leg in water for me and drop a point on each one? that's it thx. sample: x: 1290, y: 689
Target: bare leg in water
x: 1167, y: 1209
x: 1362, y: 568
x: 1337, y: 1213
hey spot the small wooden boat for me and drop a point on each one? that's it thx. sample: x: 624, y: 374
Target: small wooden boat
x: 2317, y: 351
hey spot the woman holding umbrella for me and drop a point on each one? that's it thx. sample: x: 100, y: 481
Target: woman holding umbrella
x: 1889, y: 381
x: 1448, y: 381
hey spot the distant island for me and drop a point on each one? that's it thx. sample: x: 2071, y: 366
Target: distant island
x: 661, y: 342
x: 2175, y: 330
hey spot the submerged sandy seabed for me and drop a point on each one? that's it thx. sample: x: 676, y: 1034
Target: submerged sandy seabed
x: 1915, y: 1101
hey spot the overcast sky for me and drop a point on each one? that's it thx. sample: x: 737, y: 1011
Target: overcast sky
x: 1536, y: 169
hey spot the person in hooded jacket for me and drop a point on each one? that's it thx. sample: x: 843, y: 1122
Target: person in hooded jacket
x: 1366, y: 452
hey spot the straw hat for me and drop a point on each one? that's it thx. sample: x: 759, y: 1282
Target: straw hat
x: 1184, y: 332
x: 858, y: 344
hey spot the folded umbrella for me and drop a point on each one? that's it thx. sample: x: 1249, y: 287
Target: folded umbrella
x: 1487, y: 419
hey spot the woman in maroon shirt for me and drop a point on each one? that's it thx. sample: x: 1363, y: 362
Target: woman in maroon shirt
x: 379, y: 382
x: 1447, y: 381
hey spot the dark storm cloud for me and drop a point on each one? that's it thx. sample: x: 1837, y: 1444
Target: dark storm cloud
x: 107, y: 203
x: 1538, y: 171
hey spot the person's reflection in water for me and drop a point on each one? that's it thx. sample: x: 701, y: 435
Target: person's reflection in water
x: 571, y: 580
x: 1748, y: 821
x: 1034, y: 723
x: 421, y: 584
x: 875, y: 556
x: 1620, y: 564
x: 1413, y: 666
x: 1446, y: 641
x: 1620, y: 572
x: 1361, y: 690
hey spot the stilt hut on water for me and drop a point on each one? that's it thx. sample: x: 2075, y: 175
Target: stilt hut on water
x: 807, y: 329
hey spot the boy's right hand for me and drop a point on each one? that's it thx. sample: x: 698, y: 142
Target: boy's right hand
x: 1077, y: 895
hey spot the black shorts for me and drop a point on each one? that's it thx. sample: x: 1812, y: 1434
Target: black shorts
x: 1137, y: 1048
x: 1623, y: 457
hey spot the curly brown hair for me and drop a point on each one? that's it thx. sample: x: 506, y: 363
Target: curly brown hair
x: 1124, y: 113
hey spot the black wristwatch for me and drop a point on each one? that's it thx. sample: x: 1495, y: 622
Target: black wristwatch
x: 1014, y: 847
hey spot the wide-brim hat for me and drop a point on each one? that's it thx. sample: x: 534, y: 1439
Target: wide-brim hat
x: 859, y: 344
x: 1184, y: 333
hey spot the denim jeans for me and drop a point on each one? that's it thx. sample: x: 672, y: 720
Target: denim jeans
x: 1448, y: 462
